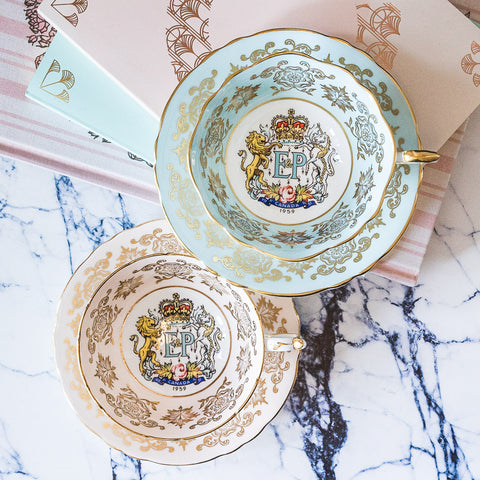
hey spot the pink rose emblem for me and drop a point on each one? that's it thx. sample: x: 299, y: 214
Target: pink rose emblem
x: 287, y: 194
x: 179, y: 371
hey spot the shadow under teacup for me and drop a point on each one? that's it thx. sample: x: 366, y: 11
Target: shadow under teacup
x: 170, y: 350
x: 293, y: 156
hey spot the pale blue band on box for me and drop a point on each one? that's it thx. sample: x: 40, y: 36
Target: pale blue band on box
x: 70, y: 83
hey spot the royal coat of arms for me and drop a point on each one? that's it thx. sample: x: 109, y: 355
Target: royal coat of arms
x: 290, y: 162
x: 180, y: 343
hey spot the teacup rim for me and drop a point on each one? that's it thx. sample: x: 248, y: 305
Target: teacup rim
x: 235, y: 411
x: 227, y: 80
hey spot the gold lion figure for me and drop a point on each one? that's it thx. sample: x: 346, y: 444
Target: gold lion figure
x: 260, y: 151
x: 147, y: 329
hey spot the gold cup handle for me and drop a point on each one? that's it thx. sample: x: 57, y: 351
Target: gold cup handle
x: 284, y: 342
x: 416, y: 156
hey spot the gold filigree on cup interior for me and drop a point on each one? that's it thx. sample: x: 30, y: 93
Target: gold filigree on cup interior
x: 301, y: 78
x: 130, y: 405
x: 106, y: 371
x: 245, y: 326
x: 214, y: 405
x: 165, y: 270
x: 180, y: 416
x: 244, y: 362
x: 101, y: 329
x: 127, y: 287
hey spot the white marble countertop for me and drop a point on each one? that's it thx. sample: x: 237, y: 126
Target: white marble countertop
x: 387, y: 388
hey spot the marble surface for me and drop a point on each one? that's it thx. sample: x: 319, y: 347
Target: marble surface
x: 387, y: 387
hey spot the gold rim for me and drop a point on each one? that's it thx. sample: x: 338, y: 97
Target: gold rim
x: 420, y: 171
x: 70, y: 401
x: 242, y: 242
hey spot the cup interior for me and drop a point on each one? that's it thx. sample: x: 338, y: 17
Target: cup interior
x: 168, y: 349
x: 292, y: 156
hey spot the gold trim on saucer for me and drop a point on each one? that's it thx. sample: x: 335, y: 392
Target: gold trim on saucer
x: 133, y: 445
x: 194, y: 224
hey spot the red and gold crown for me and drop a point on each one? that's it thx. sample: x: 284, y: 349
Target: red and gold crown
x: 290, y: 128
x: 176, y: 311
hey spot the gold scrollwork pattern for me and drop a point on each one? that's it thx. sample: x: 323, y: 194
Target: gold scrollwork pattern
x: 297, y: 268
x: 395, y: 190
x: 252, y: 262
x: 128, y: 255
x: 77, y: 382
x: 189, y: 114
x: 268, y: 49
x: 245, y: 325
x: 334, y: 259
x: 380, y: 92
x: 235, y: 426
x: 159, y: 242
x: 95, y: 274
x: 189, y: 206
x: 217, y: 236
x: 146, y: 443
x: 165, y: 270
x: 275, y: 365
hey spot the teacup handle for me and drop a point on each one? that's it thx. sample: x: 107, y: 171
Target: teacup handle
x: 284, y: 342
x: 416, y: 156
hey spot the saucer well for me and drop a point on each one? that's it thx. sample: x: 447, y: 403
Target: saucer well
x: 278, y: 374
